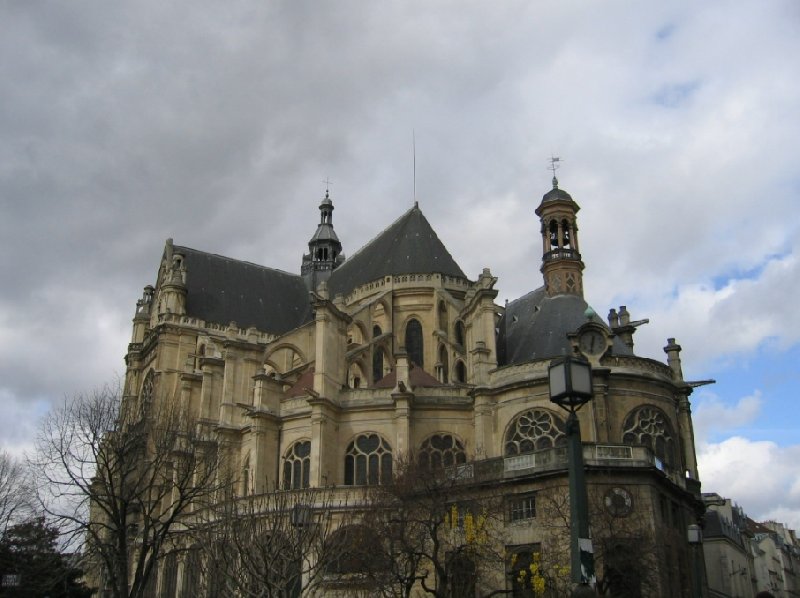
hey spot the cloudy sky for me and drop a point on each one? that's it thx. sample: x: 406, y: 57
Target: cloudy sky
x: 217, y: 123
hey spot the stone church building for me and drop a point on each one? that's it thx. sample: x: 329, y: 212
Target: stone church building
x: 328, y: 376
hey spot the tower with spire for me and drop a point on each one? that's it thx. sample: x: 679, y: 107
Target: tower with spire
x: 562, y: 267
x: 324, y: 249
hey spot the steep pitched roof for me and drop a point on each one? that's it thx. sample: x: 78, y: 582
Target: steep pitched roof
x: 222, y: 290
x: 535, y: 326
x: 408, y: 246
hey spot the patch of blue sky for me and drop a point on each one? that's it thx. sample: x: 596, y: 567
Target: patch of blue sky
x: 771, y: 372
x: 675, y: 95
x: 722, y: 280
x: 665, y: 32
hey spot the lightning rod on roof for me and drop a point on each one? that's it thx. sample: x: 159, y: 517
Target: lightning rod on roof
x: 414, y: 152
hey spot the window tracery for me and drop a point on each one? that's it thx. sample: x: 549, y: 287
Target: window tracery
x: 650, y: 427
x: 533, y: 430
x: 368, y: 461
x: 441, y: 450
x: 297, y: 466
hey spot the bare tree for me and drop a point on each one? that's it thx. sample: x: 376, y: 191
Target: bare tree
x: 272, y: 545
x: 15, y: 502
x: 117, y: 474
x: 433, y: 531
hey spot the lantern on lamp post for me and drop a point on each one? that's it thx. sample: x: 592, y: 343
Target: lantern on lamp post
x: 570, y: 381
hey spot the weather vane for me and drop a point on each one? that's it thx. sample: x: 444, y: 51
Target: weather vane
x: 555, y: 164
x: 327, y: 182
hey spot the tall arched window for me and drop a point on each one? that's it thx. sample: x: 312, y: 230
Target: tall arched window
x: 650, y: 427
x: 414, y: 346
x: 297, y: 465
x: 377, y: 364
x: 534, y: 430
x: 565, y: 233
x: 460, y: 333
x: 554, y: 234
x: 246, y: 476
x: 442, y: 316
x: 441, y: 450
x: 460, y: 371
x: 444, y: 369
x: 368, y: 461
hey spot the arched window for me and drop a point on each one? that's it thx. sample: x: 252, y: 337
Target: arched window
x: 565, y: 233
x: 146, y: 396
x: 414, y: 346
x: 462, y: 575
x: 377, y: 364
x: 376, y: 331
x: 442, y: 316
x: 441, y: 450
x: 460, y: 333
x: 650, y: 427
x: 460, y: 371
x: 554, y: 234
x: 534, y: 430
x: 443, y: 365
x: 297, y: 466
x: 246, y: 486
x: 368, y: 461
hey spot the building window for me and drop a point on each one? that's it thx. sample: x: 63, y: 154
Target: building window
x: 246, y: 486
x: 461, y: 371
x: 414, y: 346
x: 533, y: 430
x: 441, y: 450
x: 521, y: 507
x: 146, y: 395
x: 297, y: 466
x: 368, y: 461
x: 649, y: 426
x: 357, y: 549
x: 462, y: 576
x: 377, y: 364
x: 443, y: 365
x: 442, y: 316
x: 523, y: 569
x: 460, y: 333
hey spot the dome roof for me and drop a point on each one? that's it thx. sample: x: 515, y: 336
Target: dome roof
x: 536, y: 326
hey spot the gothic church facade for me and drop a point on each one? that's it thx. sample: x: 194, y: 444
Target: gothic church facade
x: 327, y: 377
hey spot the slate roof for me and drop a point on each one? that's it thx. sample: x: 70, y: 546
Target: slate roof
x: 535, y: 326
x: 222, y: 290
x: 408, y: 246
x: 417, y: 377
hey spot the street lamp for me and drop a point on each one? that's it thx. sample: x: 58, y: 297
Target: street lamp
x: 571, y: 388
x: 695, y: 537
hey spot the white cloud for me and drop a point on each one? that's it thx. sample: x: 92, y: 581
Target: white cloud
x: 759, y: 475
x: 711, y: 415
x: 120, y: 129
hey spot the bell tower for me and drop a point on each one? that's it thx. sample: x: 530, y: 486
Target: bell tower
x: 324, y: 248
x: 562, y: 267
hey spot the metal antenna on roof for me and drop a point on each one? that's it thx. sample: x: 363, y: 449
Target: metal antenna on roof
x: 554, y: 165
x: 414, y: 151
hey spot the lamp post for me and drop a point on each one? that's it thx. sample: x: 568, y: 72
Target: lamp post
x: 571, y: 388
x: 695, y: 537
